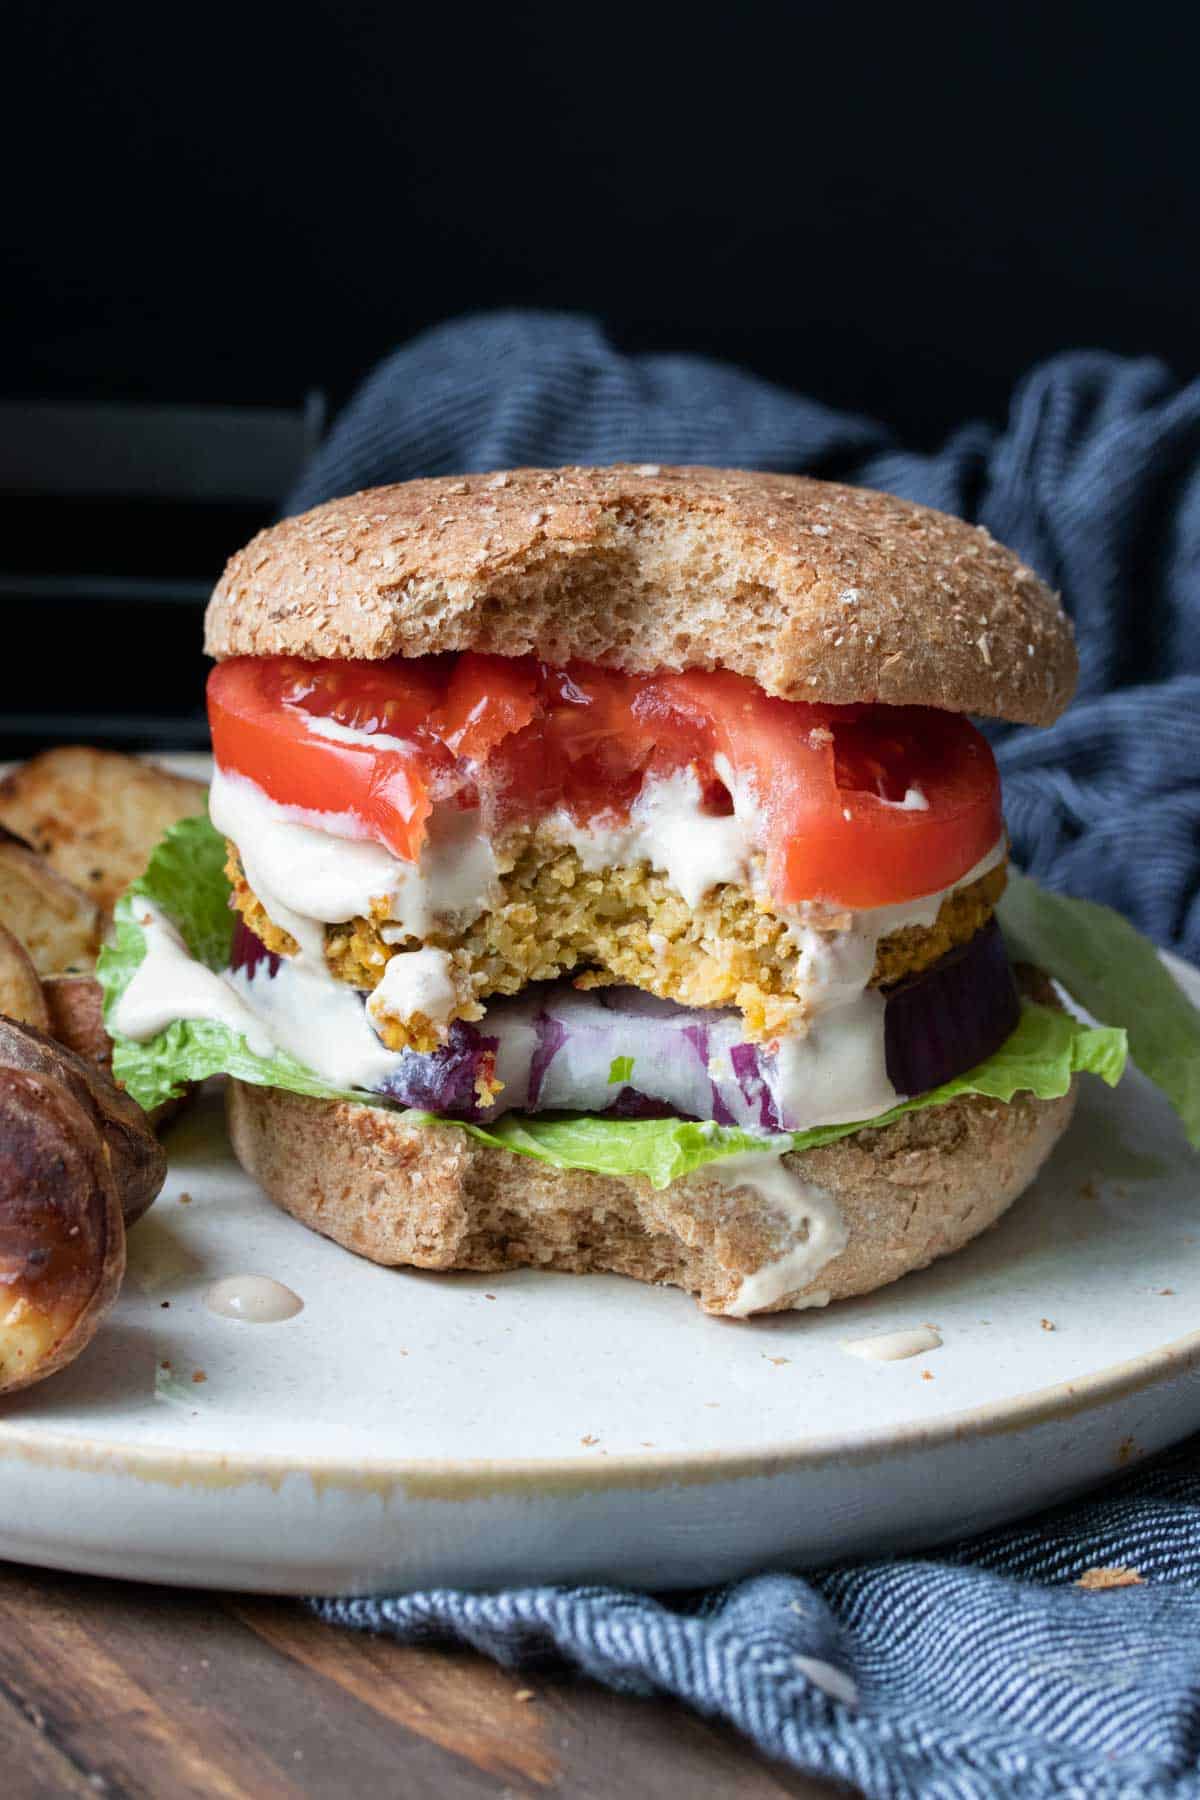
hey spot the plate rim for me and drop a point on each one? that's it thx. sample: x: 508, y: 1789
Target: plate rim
x: 487, y: 1477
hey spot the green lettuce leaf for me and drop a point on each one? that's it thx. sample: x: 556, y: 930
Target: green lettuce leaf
x: 193, y: 1049
x: 1117, y: 975
x: 185, y: 879
x: 1044, y: 1052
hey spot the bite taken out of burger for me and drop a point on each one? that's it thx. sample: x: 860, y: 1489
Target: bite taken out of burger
x: 602, y: 872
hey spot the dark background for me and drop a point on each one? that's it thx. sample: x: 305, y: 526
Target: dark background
x: 896, y: 210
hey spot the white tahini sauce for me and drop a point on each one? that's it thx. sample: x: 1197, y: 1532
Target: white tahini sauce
x: 914, y: 801
x: 321, y: 1021
x: 836, y: 953
x: 416, y: 981
x: 894, y: 1346
x: 308, y: 872
x: 698, y: 851
x: 311, y: 869
x: 254, y: 1299
x: 836, y: 1071
x: 669, y: 828
x: 169, y: 984
x: 809, y: 1214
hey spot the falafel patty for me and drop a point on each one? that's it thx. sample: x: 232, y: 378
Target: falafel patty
x: 552, y: 918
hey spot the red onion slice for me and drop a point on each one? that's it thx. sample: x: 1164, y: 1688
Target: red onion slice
x: 559, y: 1047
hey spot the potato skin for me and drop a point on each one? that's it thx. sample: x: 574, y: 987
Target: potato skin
x: 75, y: 1005
x: 136, y: 1159
x: 95, y: 815
x: 62, y: 1237
x: 21, y: 995
x: 75, y: 1008
x: 59, y: 926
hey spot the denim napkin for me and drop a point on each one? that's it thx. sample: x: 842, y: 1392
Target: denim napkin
x: 986, y: 1670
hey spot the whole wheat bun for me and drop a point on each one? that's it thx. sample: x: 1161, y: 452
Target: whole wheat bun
x: 814, y: 590
x: 438, y: 1199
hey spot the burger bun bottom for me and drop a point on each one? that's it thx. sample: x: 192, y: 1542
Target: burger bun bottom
x: 436, y: 1198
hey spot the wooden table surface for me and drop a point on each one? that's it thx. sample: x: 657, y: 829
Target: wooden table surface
x: 116, y: 1689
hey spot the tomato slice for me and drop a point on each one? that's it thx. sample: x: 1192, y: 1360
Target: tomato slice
x: 861, y: 806
x: 488, y: 698
x: 264, y: 713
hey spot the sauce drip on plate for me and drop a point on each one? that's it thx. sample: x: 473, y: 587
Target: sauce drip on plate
x: 894, y: 1346
x: 254, y: 1299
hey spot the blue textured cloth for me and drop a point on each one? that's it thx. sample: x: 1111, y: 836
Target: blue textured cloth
x: 985, y: 1672
x: 985, y: 1675
x: 1095, y: 480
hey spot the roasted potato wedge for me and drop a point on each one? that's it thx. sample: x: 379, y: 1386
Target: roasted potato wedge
x: 75, y: 1011
x: 75, y: 1004
x: 62, y: 1238
x: 134, y: 1154
x: 95, y: 815
x: 21, y: 994
x: 59, y: 926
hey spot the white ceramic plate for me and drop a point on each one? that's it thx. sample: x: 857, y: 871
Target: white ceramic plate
x: 407, y: 1429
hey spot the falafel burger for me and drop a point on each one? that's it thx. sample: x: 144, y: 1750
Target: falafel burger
x: 601, y: 873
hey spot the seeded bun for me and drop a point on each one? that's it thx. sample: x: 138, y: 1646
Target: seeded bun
x: 437, y: 1199
x: 814, y: 590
